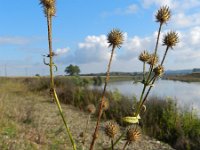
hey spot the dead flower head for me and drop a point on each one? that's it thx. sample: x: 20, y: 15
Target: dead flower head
x: 47, y: 3
x: 171, y: 39
x: 115, y: 38
x: 91, y: 109
x: 105, y: 104
x: 111, y: 129
x: 49, y: 7
x: 133, y: 133
x: 163, y: 14
x: 144, y: 56
x: 159, y: 70
x: 153, y: 59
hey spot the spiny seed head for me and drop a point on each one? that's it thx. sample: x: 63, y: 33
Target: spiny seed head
x: 47, y: 3
x: 105, y: 104
x: 49, y: 7
x: 111, y: 129
x: 144, y: 56
x: 133, y: 133
x: 91, y: 109
x: 115, y: 38
x: 171, y: 39
x: 163, y: 14
x: 50, y: 11
x: 159, y: 70
x: 153, y: 59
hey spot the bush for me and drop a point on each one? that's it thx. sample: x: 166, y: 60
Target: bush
x: 181, y: 129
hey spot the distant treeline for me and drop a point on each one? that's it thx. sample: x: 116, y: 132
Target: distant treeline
x: 167, y: 72
x: 113, y: 74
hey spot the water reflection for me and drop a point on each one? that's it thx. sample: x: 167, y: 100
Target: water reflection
x: 186, y: 94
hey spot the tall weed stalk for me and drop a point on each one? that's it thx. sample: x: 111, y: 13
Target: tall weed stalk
x: 50, y: 10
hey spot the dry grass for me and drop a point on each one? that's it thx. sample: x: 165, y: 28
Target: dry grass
x: 30, y: 120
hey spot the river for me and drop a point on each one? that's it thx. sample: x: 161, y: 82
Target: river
x: 186, y: 94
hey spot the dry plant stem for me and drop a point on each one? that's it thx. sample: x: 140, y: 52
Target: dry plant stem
x: 155, y: 52
x: 64, y: 121
x: 112, y: 144
x: 118, y: 140
x: 144, y: 71
x: 49, y: 20
x: 155, y: 77
x: 125, y: 145
x: 164, y: 55
x: 101, y: 104
x: 150, y: 73
x: 85, y: 131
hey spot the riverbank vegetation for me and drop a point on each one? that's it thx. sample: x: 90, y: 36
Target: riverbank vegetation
x: 162, y: 119
x: 193, y: 77
x: 29, y: 120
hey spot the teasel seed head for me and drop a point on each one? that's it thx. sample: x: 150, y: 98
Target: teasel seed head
x: 153, y: 60
x: 159, y: 70
x: 144, y: 56
x: 91, y: 109
x: 47, y: 3
x: 50, y: 11
x: 105, y: 104
x: 133, y: 133
x: 115, y: 38
x: 111, y: 129
x: 49, y: 7
x: 163, y: 14
x: 171, y: 39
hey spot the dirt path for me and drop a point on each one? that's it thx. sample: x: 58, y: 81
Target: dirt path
x: 30, y: 121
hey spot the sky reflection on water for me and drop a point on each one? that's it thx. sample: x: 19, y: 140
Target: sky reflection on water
x: 186, y: 94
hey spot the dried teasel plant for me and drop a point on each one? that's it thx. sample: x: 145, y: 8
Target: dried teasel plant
x: 111, y: 130
x: 49, y: 7
x: 115, y: 39
x: 170, y: 40
x: 163, y: 14
x: 90, y: 109
x: 133, y: 134
x: 156, y: 69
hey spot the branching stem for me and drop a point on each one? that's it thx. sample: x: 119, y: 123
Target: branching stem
x: 149, y: 75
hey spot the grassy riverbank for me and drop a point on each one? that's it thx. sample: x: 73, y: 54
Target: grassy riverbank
x: 194, y: 77
x: 162, y: 119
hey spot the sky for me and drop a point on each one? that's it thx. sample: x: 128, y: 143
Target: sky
x: 80, y: 31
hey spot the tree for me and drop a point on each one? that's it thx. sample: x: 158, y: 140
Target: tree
x: 72, y: 70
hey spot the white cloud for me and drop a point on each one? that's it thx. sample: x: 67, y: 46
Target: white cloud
x: 13, y: 40
x: 93, y: 49
x: 131, y: 9
x: 178, y: 5
x: 182, y: 20
x: 195, y: 36
x: 148, y: 3
x: 61, y: 51
x: 93, y: 53
x: 183, y: 11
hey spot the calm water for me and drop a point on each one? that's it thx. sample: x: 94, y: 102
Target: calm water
x: 186, y: 94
